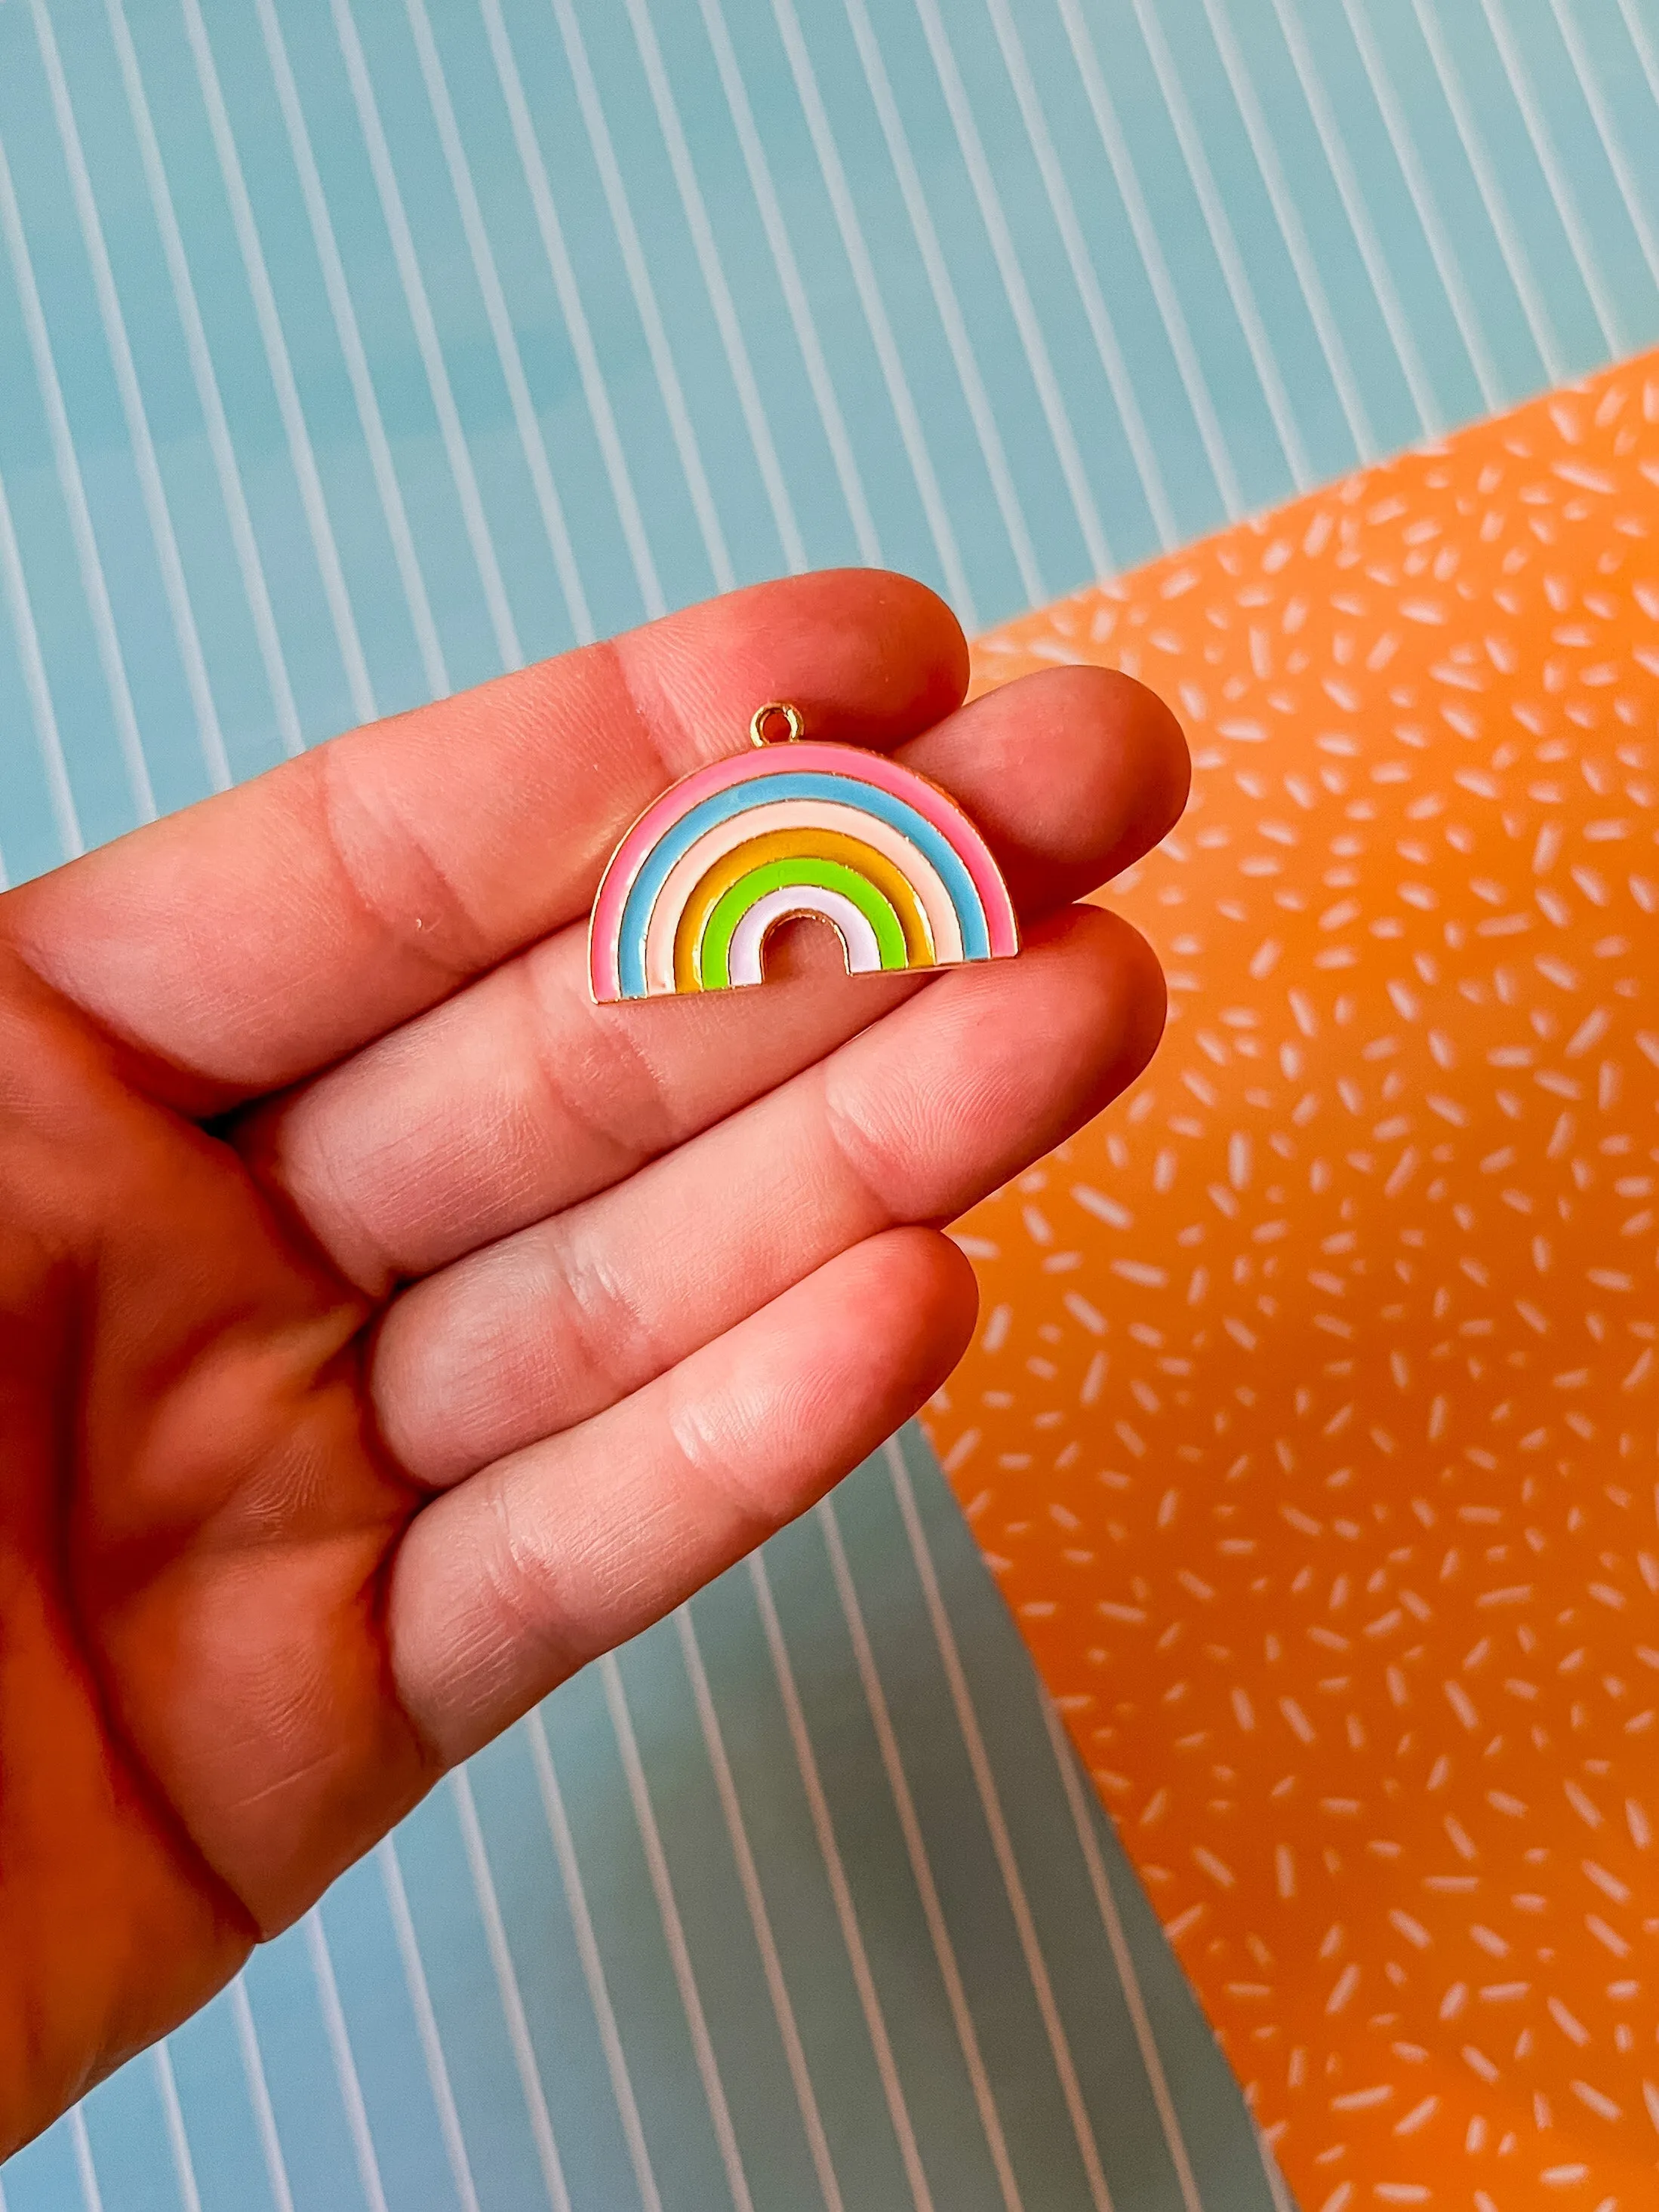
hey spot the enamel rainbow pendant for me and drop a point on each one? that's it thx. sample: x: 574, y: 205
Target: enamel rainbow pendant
x: 796, y: 829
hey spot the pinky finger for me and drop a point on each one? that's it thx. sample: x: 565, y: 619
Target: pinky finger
x: 508, y: 1584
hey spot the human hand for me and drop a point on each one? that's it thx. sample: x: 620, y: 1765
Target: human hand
x: 385, y: 1331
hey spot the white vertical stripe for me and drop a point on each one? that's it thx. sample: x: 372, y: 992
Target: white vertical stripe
x: 1152, y: 2059
x: 345, y: 2065
x: 846, y: 1912
x: 916, y: 1850
x: 264, y: 2117
x: 704, y: 245
x: 1281, y: 2195
x: 42, y: 713
x: 1510, y: 243
x: 891, y: 362
x: 1124, y: 175
x: 945, y: 302
x: 426, y: 2023
x: 302, y: 453
x: 1283, y: 203
x: 645, y: 297
x: 86, y: 2172
x: 1354, y: 207
x: 593, y: 1960
x: 1555, y: 175
x: 760, y: 1920
x: 1608, y: 131
x: 1084, y: 275
x: 419, y: 303
x: 576, y: 322
x: 220, y: 443
x: 973, y: 1739
x: 789, y: 277
x: 512, y: 1998
x: 1447, y: 268
x: 73, y: 488
x: 686, y: 1979
x: 351, y: 348
x: 1026, y: 320
x: 184, y: 2166
x: 1225, y: 243
x: 176, y: 591
x: 501, y: 321
x: 1644, y: 44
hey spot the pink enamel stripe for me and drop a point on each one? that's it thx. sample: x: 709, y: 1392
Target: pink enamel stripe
x: 946, y: 817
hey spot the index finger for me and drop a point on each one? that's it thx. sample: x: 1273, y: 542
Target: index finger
x: 262, y: 935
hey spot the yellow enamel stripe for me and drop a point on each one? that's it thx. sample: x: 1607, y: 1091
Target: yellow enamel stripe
x: 784, y: 844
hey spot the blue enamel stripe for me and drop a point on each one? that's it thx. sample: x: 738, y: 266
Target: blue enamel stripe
x: 763, y: 791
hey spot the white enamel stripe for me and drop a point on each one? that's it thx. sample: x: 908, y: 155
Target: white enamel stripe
x: 804, y: 815
x: 853, y: 927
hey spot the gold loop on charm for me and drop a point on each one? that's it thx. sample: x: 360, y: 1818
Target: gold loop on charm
x: 792, y: 716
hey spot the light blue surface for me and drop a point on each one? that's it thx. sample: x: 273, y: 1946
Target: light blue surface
x: 352, y: 348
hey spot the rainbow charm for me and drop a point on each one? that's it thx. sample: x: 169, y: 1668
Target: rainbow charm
x: 710, y: 870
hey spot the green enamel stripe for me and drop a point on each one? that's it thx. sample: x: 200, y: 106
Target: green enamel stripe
x: 800, y: 872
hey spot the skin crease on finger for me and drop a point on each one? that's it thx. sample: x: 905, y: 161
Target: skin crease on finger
x: 238, y: 1638
x: 914, y: 1118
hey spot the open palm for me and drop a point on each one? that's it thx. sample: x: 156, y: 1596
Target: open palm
x: 386, y: 1330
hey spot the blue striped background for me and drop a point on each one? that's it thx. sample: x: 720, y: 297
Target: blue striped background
x: 350, y: 349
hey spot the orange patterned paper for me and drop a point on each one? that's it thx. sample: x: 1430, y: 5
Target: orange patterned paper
x: 1313, y: 1424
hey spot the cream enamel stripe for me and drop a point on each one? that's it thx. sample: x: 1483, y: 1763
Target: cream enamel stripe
x: 990, y: 1800
x: 226, y: 467
x: 787, y: 814
x: 302, y: 455
x: 146, y: 466
x: 916, y: 1846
